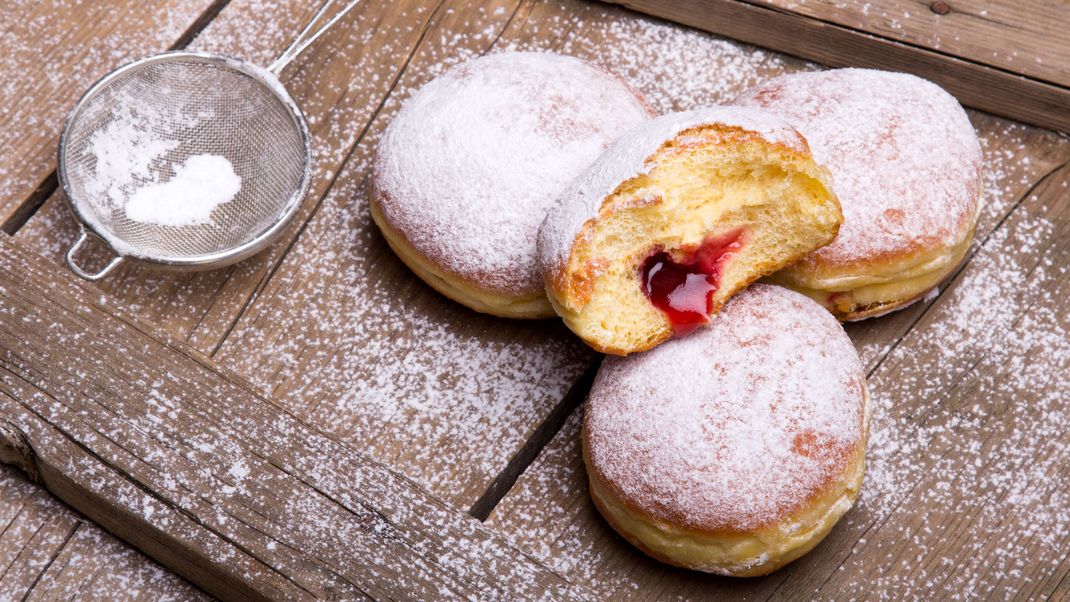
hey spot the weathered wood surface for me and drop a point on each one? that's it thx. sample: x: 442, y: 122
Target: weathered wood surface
x: 1014, y: 65
x: 48, y: 552
x: 307, y: 320
x: 1020, y: 37
x: 191, y: 465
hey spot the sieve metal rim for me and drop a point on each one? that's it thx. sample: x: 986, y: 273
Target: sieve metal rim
x: 206, y: 261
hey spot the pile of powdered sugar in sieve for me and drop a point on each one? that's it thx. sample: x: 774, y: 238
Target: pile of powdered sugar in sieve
x: 129, y: 176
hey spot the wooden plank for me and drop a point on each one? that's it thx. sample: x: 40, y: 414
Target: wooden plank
x: 356, y: 344
x: 339, y: 84
x: 967, y: 478
x: 976, y: 84
x: 34, y: 530
x: 52, y: 52
x: 1026, y: 37
x: 75, y: 574
x: 162, y: 447
x: 256, y: 31
x: 48, y: 552
x: 204, y: 306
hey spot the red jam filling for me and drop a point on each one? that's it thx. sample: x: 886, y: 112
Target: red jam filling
x: 683, y: 287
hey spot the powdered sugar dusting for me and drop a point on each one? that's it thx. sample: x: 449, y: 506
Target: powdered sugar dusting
x: 991, y: 359
x: 433, y: 390
x: 737, y: 425
x: 675, y: 68
x: 905, y: 161
x: 468, y: 168
x: 201, y: 183
x: 30, y: 516
x: 628, y: 157
x: 48, y: 61
x: 966, y: 488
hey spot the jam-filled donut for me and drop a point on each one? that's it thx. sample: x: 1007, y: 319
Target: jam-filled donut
x: 736, y: 449
x: 906, y: 165
x: 674, y: 218
x: 471, y: 163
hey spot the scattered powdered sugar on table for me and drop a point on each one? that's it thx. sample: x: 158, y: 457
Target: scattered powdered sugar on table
x: 674, y: 68
x: 989, y: 441
x: 439, y: 393
x: 30, y: 514
x: 971, y: 411
x: 36, y: 93
x: 200, y: 184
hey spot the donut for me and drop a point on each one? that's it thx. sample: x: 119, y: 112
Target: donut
x: 906, y: 165
x: 736, y: 449
x: 674, y: 218
x: 465, y: 173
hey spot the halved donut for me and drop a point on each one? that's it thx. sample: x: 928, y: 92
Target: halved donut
x: 675, y: 217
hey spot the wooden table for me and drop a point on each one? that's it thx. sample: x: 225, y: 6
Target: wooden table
x: 401, y: 399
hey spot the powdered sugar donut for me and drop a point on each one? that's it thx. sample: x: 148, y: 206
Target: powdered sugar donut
x: 677, y: 216
x: 736, y: 449
x: 906, y: 165
x: 468, y: 168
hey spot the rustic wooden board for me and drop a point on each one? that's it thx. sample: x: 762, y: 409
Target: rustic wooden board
x: 52, y: 52
x: 1020, y: 37
x: 195, y: 467
x: 305, y: 320
x: 338, y: 83
x: 69, y: 557
x: 1012, y: 66
x: 549, y: 512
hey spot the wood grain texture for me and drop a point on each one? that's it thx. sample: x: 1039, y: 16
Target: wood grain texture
x: 52, y: 52
x: 350, y: 339
x: 1019, y: 37
x: 338, y: 83
x: 196, y: 468
x: 452, y: 425
x: 49, y: 552
x: 549, y: 512
x: 974, y: 82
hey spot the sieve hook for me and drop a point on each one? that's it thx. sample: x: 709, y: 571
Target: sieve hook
x: 82, y: 273
x: 300, y: 43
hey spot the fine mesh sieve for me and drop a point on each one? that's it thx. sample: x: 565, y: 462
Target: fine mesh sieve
x: 141, y: 123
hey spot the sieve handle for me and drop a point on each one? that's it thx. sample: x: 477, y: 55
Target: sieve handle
x: 304, y: 39
x: 78, y: 270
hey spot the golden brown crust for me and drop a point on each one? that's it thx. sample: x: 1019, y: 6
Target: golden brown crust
x: 821, y: 508
x: 575, y: 285
x: 453, y: 286
x: 885, y: 285
x: 802, y: 215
